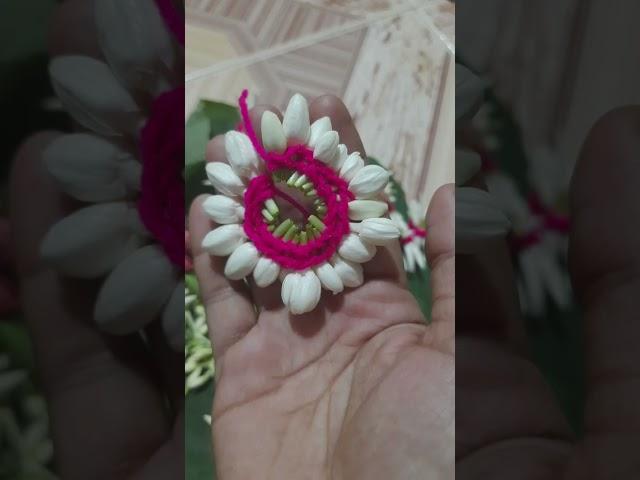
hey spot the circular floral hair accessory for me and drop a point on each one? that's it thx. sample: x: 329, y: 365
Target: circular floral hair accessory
x: 297, y: 206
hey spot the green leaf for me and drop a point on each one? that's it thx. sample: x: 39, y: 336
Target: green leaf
x: 194, y: 176
x: 197, y: 134
x: 222, y: 117
x: 419, y: 286
x: 199, y: 458
x: 15, y: 341
x: 209, y: 120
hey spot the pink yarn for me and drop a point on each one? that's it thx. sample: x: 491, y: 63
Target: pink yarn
x: 551, y: 221
x: 328, y: 185
x: 416, y: 232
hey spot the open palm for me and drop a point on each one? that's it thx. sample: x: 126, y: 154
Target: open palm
x: 361, y: 387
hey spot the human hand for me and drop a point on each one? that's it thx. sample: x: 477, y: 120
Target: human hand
x: 509, y: 424
x: 361, y: 387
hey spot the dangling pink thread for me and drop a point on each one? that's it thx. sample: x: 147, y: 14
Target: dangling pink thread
x: 328, y: 185
x: 248, y: 126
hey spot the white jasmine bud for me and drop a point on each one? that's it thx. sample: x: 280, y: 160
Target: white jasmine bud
x: 305, y: 294
x: 318, y: 129
x: 224, y: 179
x: 223, y: 210
x: 240, y: 153
x: 369, y: 181
x: 266, y: 272
x: 329, y: 278
x: 296, y: 120
x: 354, y: 249
x: 352, y: 165
x: 326, y: 147
x: 273, y: 138
x: 379, y: 231
x: 223, y: 240
x: 362, y: 209
x: 242, y: 261
x: 349, y: 272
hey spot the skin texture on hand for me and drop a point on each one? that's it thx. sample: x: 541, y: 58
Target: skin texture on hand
x: 360, y: 388
x: 509, y: 423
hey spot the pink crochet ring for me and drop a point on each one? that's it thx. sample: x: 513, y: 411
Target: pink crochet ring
x: 295, y: 206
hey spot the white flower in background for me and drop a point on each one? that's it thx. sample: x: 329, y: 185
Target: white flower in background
x: 108, y: 238
x: 540, y: 251
x: 412, y: 236
x: 322, y: 215
x: 390, y: 194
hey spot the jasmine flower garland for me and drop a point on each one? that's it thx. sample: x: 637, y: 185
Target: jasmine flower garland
x: 413, y: 234
x: 297, y: 207
x: 538, y: 213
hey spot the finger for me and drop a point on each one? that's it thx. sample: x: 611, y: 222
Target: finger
x: 605, y: 264
x: 387, y: 264
x: 440, y: 251
x: 94, y: 382
x: 341, y: 121
x: 73, y: 30
x: 228, y: 304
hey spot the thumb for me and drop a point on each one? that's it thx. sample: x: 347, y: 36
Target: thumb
x: 440, y: 252
x: 605, y: 265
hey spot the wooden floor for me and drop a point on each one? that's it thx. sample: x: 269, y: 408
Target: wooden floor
x: 396, y: 75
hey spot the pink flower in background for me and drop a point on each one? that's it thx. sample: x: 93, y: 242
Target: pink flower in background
x: 161, y: 203
x: 173, y: 17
